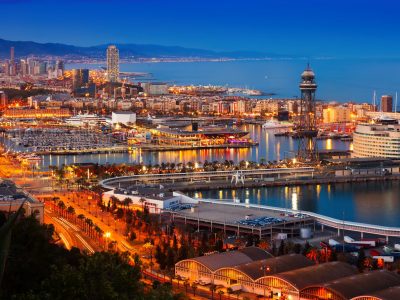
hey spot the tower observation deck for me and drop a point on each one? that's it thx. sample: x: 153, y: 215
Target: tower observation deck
x: 307, y: 127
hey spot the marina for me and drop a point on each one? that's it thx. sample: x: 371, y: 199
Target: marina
x: 60, y: 141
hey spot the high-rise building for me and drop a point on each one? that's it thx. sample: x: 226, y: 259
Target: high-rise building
x: 3, y: 99
x: 13, y: 66
x: 387, y: 103
x: 80, y: 78
x: 112, y: 63
x: 12, y: 54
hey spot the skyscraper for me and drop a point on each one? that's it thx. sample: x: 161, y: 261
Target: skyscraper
x: 112, y: 63
x: 13, y: 66
x: 80, y: 78
x: 387, y: 103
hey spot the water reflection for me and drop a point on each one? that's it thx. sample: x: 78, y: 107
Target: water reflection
x: 270, y: 148
x: 373, y: 202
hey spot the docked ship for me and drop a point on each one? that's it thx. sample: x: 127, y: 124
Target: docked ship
x: 272, y: 124
x: 86, y: 119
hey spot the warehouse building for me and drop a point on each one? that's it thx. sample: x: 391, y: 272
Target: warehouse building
x: 353, y: 286
x: 386, y: 294
x: 203, y: 268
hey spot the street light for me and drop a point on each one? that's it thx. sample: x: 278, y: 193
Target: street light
x: 107, y: 235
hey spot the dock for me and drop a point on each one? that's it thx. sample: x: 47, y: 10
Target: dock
x: 156, y: 147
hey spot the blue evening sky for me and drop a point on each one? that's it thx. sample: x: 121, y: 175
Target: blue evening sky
x: 340, y: 28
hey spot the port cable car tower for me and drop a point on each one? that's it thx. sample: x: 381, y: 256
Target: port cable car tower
x: 307, y: 130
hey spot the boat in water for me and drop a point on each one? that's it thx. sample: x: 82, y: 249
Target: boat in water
x: 273, y: 124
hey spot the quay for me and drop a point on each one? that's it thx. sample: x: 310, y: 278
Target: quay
x: 164, y: 147
x: 255, y: 178
x: 114, y: 149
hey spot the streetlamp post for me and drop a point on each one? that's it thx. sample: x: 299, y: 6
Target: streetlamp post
x: 107, y: 235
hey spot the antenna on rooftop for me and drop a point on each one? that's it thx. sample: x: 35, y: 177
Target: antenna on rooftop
x: 374, y: 100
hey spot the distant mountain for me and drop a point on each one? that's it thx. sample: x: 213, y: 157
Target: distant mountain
x: 26, y: 48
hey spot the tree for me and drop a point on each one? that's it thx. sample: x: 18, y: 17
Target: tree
x: 127, y: 201
x: 194, y: 288
x: 361, y: 260
x: 281, y: 249
x: 220, y: 293
x: 213, y: 288
x: 186, y: 284
x: 170, y: 260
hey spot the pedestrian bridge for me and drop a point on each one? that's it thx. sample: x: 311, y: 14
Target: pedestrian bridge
x: 112, y: 183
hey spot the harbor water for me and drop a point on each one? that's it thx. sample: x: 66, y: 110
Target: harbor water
x: 375, y: 203
x: 270, y: 148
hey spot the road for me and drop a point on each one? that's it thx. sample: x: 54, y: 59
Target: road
x: 70, y: 235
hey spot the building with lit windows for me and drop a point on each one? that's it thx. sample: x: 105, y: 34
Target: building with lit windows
x: 112, y: 63
x: 349, y: 287
x: 377, y: 140
x: 255, y: 271
x: 386, y: 294
x: 24, y: 113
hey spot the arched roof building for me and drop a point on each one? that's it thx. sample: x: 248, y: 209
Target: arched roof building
x: 203, y: 267
x: 292, y: 282
x: 386, y: 294
x: 353, y: 286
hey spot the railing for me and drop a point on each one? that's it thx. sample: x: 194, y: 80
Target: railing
x: 107, y: 182
x: 321, y: 219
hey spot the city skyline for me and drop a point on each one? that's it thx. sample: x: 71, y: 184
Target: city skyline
x: 265, y: 26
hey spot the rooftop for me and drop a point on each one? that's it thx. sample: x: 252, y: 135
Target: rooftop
x: 232, y: 258
x: 274, y: 265
x: 386, y: 294
x: 318, y: 274
x: 362, y: 284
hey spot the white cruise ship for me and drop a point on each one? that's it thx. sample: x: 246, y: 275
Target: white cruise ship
x: 87, y: 119
x: 273, y: 124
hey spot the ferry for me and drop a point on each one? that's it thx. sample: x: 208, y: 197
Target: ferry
x: 272, y: 124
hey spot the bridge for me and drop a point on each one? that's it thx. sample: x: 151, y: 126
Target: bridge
x: 263, y: 174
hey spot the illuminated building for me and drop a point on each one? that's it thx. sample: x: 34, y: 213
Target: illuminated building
x: 3, y: 99
x: 11, y: 198
x: 80, y: 78
x: 22, y: 113
x: 123, y: 118
x: 386, y: 103
x: 112, y: 63
x: 290, y: 276
x: 336, y: 114
x: 377, y: 140
x: 353, y: 286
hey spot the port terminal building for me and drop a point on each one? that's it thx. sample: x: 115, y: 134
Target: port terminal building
x: 292, y: 276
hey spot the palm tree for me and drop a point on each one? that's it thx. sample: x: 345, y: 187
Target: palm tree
x: 194, y: 288
x: 90, y: 224
x: 186, y: 284
x: 178, y: 278
x: 127, y: 201
x: 213, y: 288
x: 220, y: 293
x: 230, y: 292
x: 61, y: 206
x: 142, y: 201
x: 98, y: 231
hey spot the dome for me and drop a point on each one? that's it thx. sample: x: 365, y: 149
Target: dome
x: 308, y: 74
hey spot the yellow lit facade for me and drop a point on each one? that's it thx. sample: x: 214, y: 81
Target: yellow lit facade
x: 376, y: 140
